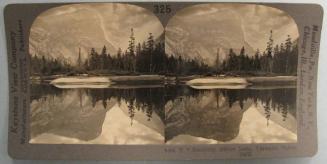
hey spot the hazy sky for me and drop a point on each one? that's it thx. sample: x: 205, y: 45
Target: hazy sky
x: 255, y: 21
x: 62, y: 30
x: 201, y: 29
x: 197, y: 30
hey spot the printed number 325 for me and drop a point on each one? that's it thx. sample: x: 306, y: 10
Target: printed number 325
x: 162, y: 9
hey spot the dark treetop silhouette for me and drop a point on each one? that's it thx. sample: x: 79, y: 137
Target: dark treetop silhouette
x: 149, y: 100
x: 150, y: 58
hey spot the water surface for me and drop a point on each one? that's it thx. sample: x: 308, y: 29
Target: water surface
x: 175, y: 114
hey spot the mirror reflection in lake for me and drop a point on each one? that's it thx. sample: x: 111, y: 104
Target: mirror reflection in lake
x: 162, y: 114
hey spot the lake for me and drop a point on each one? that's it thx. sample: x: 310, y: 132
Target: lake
x: 162, y: 114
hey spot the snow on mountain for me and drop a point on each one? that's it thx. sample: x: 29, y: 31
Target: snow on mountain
x: 60, y: 32
x: 197, y: 31
x: 155, y: 123
x: 189, y: 37
x: 71, y: 115
x: 200, y: 30
x: 212, y: 117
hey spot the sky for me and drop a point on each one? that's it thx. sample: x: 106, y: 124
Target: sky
x: 202, y: 29
x: 254, y: 20
x: 197, y: 30
x: 61, y: 31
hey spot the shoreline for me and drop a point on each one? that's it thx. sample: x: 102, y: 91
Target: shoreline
x: 133, y: 78
x: 195, y: 81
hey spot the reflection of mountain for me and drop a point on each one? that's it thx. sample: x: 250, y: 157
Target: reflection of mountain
x: 114, y: 131
x: 284, y: 118
x: 155, y: 122
x: 167, y: 112
x: 220, y: 121
x: 71, y: 115
x: 60, y: 31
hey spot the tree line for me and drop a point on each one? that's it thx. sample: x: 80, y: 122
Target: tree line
x: 49, y: 66
x: 149, y: 100
x: 278, y: 59
x: 149, y: 57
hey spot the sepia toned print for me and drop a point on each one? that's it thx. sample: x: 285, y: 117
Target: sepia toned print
x: 244, y: 58
x: 110, y: 73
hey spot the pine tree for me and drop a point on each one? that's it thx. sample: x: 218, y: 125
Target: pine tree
x: 131, y: 46
x: 138, y: 55
x: 232, y: 61
x: 92, y: 60
x: 103, y: 58
x: 276, y: 50
x: 288, y: 49
x: 282, y: 58
x: 241, y: 59
x: 79, y: 60
x: 276, y: 58
x: 131, y: 53
x: 109, y: 62
x: 269, y: 53
x: 119, y: 63
x: 86, y: 65
x: 270, y: 44
x: 294, y: 60
x: 150, y: 46
x: 217, y: 62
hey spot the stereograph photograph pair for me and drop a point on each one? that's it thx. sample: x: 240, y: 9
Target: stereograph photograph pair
x: 162, y: 80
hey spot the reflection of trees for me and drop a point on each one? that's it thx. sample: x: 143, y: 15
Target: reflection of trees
x: 206, y: 118
x: 141, y: 99
x: 280, y: 100
x: 66, y: 113
x: 217, y: 114
x: 39, y: 91
x: 149, y: 100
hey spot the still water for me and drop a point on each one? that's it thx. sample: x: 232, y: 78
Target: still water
x: 162, y: 115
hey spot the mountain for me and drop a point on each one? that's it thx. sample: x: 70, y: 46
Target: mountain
x: 155, y: 122
x: 212, y: 117
x: 199, y: 30
x: 74, y: 116
x: 276, y: 116
x: 185, y: 38
x: 60, y: 32
x: 58, y: 41
x: 69, y: 123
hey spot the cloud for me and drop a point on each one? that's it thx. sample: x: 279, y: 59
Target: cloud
x: 90, y: 25
x: 255, y: 21
x: 66, y: 11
